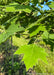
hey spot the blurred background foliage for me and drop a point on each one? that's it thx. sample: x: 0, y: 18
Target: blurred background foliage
x: 22, y: 39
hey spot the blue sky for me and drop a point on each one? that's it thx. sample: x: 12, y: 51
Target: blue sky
x: 45, y: 7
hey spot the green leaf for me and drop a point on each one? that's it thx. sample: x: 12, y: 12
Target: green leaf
x: 18, y: 7
x: 38, y: 22
x: 19, y: 41
x: 40, y: 28
x: 45, y: 35
x: 32, y: 25
x: 51, y: 36
x: 51, y: 5
x: 1, y: 37
x: 35, y: 1
x: 32, y: 53
x: 12, y: 29
x: 21, y: 1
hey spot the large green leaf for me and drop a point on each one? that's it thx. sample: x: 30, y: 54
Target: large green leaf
x: 32, y: 53
x: 14, y: 7
x: 13, y: 28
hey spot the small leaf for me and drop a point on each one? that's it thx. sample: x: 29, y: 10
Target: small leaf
x: 45, y: 35
x: 40, y: 28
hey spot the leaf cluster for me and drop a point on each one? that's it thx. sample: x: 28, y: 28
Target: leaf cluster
x: 20, y: 18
